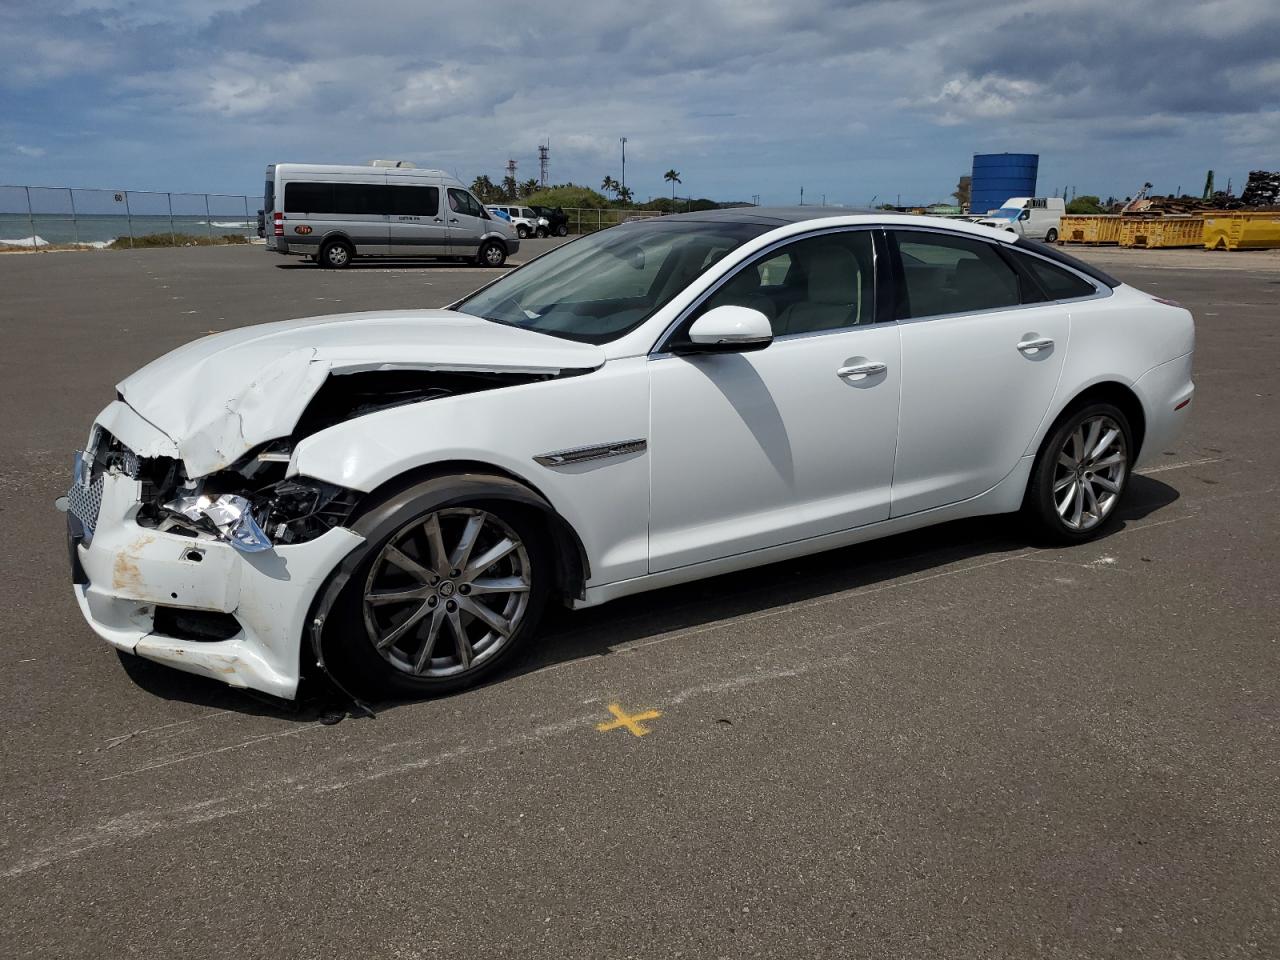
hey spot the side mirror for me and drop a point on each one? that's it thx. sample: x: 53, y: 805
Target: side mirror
x: 1025, y: 215
x: 728, y: 329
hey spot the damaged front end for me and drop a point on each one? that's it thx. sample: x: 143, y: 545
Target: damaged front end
x: 250, y: 505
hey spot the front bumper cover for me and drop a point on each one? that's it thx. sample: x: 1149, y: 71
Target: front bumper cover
x: 126, y: 570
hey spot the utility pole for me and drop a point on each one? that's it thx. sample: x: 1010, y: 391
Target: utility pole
x: 624, y: 163
x: 755, y: 199
x: 802, y: 196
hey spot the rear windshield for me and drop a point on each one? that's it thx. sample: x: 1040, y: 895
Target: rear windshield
x: 269, y: 196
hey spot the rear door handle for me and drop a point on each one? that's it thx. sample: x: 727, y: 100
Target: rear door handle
x: 1033, y: 344
x: 453, y: 219
x: 863, y: 368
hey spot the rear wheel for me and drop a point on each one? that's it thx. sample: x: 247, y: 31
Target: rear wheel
x: 1051, y: 236
x: 492, y: 254
x: 451, y: 594
x: 542, y: 232
x: 562, y: 230
x: 1080, y: 474
x: 522, y: 231
x: 336, y: 254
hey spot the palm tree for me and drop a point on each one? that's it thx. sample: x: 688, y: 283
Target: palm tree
x: 674, y: 176
x: 609, y: 185
x: 624, y: 194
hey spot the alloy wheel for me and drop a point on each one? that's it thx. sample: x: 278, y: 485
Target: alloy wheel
x: 1089, y: 474
x: 447, y: 592
x: 493, y: 255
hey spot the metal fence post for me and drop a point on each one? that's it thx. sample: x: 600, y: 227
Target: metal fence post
x: 75, y: 224
x: 128, y: 213
x: 208, y: 217
x: 31, y: 220
x: 173, y: 240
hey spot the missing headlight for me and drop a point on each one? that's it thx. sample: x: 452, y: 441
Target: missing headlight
x: 285, y: 512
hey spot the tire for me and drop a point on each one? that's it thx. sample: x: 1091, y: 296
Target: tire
x: 1051, y: 236
x: 541, y: 233
x: 336, y: 255
x: 562, y: 230
x: 522, y: 231
x: 1091, y: 486
x: 378, y: 647
x: 492, y: 254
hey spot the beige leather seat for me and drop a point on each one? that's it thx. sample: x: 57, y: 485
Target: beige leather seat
x: 834, y: 294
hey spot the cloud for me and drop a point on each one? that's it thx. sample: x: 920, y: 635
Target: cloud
x: 26, y: 151
x: 743, y: 96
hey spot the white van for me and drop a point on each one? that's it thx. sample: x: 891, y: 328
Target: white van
x: 1036, y: 218
x: 337, y: 213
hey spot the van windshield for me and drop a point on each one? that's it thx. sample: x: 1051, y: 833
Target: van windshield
x: 605, y: 285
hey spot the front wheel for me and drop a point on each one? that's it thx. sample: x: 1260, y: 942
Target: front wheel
x: 451, y: 594
x: 542, y: 232
x: 562, y: 230
x: 1051, y: 236
x: 1080, y: 474
x: 492, y: 254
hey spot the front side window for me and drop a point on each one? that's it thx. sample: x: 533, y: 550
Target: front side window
x: 462, y: 202
x: 944, y: 274
x: 819, y: 283
x: 604, y: 285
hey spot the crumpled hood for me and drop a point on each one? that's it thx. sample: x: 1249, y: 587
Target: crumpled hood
x: 221, y: 396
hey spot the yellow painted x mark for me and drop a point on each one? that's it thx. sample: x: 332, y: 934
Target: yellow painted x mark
x: 629, y: 721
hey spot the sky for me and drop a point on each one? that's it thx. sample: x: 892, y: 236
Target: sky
x: 854, y: 102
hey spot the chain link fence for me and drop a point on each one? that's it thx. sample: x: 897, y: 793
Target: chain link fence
x: 59, y: 217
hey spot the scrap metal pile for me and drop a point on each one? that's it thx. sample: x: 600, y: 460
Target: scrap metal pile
x: 1261, y: 192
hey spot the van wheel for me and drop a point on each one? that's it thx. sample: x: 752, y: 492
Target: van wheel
x: 522, y: 231
x: 336, y: 254
x: 492, y: 254
x: 1051, y: 236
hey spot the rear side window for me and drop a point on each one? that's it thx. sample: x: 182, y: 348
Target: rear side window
x: 414, y: 201
x: 345, y: 198
x: 1058, y: 284
x: 944, y: 274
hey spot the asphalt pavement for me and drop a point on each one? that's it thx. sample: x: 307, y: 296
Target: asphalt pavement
x: 951, y: 743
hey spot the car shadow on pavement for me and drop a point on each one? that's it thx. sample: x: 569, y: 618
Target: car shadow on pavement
x: 568, y: 635
x: 373, y: 263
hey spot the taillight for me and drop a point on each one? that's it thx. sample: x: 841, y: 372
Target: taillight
x: 1168, y: 303
x: 279, y: 224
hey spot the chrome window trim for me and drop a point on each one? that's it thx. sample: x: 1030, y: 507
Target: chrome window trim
x: 659, y: 351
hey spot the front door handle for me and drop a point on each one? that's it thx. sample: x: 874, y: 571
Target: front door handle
x: 1034, y: 344
x: 861, y: 368
x: 453, y: 219
x: 438, y: 220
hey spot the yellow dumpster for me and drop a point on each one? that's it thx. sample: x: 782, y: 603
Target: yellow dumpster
x: 1091, y: 228
x: 1157, y: 232
x: 1238, y: 230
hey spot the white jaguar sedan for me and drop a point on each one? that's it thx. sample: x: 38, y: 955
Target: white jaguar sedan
x: 396, y: 496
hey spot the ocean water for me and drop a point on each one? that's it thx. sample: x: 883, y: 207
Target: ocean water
x: 101, y: 229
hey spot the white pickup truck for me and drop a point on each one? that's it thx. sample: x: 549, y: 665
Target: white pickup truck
x: 1037, y: 218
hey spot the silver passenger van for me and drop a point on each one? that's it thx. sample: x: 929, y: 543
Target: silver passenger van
x: 386, y: 209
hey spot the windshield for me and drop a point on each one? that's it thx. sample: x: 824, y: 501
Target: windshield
x: 1006, y: 213
x: 605, y: 285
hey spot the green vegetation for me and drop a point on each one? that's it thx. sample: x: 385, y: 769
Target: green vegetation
x: 175, y: 240
x: 568, y: 196
x: 1085, y: 204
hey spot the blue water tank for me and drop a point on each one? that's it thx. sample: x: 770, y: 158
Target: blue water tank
x: 999, y: 176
